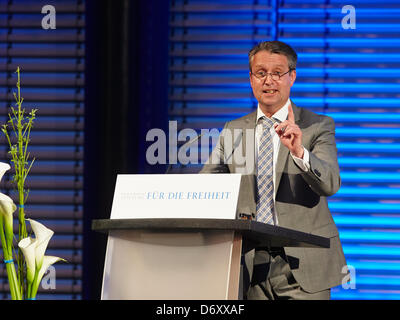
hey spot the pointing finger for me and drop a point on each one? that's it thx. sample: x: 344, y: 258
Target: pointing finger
x: 290, y: 113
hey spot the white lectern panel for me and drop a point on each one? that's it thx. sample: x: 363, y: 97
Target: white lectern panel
x: 151, y: 265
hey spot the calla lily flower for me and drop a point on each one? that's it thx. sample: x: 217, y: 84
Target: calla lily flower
x: 7, y: 208
x: 33, y: 249
x: 42, y: 238
x: 28, y: 247
x: 3, y: 168
x: 47, y: 262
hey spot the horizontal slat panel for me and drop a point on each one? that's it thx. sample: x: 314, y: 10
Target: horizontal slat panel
x: 357, y: 192
x: 46, y: 109
x: 61, y: 242
x: 26, y: 6
x: 52, y: 64
x: 36, y: 211
x: 48, y: 184
x: 347, y: 57
x: 55, y: 169
x: 34, y: 22
x: 61, y: 288
x: 42, y: 65
x: 244, y: 39
x: 59, y: 96
x: 372, y: 176
x: 350, y: 75
x: 61, y: 155
x: 336, y: 27
x: 324, y: 87
x: 50, y: 38
x: 63, y: 228
x: 61, y: 271
x: 234, y: 23
x: 53, y: 197
x: 47, y: 125
x: 38, y: 81
x: 38, y: 52
x: 71, y: 255
x: 367, y: 221
x: 369, y: 162
x: 46, y: 139
x: 212, y: 7
x: 363, y: 207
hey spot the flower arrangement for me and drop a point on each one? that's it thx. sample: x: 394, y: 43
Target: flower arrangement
x: 32, y: 262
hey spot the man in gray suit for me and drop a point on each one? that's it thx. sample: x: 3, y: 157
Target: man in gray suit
x: 290, y: 165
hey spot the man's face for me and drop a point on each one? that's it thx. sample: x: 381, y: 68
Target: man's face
x: 271, y: 94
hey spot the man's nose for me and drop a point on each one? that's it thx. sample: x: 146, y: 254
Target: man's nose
x: 268, y: 79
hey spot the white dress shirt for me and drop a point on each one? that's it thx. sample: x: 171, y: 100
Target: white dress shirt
x: 280, y: 115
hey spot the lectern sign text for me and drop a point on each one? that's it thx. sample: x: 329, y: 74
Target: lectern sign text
x: 204, y: 196
x: 192, y: 195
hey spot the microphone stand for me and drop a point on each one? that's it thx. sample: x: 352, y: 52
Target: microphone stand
x: 185, y: 145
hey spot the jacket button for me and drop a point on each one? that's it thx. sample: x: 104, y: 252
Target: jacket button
x: 317, y: 172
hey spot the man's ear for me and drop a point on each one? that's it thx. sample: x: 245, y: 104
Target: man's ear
x: 292, y: 77
x: 251, y: 79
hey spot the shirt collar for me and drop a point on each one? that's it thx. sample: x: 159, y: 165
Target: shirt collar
x: 280, y: 115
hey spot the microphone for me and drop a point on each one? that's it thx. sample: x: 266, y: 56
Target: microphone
x: 185, y: 145
x: 235, y: 145
x: 226, y: 158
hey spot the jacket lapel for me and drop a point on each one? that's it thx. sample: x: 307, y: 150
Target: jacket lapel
x: 249, y: 123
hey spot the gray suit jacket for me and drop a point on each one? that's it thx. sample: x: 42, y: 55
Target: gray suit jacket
x: 300, y: 197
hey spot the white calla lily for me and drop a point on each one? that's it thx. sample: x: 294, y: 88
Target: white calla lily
x: 47, y: 262
x: 5, y: 198
x: 7, y: 208
x: 3, y: 168
x: 43, y: 236
x: 28, y: 247
x: 7, y: 205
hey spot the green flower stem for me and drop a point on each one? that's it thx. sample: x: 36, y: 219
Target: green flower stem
x: 13, y: 281
x: 11, y: 273
x: 22, y: 147
x: 34, y: 285
x: 20, y: 127
x: 29, y: 291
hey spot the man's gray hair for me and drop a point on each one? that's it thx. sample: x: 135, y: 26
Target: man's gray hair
x: 277, y: 47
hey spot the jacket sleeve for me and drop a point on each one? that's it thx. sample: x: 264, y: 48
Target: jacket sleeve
x: 324, y: 175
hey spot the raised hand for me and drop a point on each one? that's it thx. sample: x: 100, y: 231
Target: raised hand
x: 290, y: 134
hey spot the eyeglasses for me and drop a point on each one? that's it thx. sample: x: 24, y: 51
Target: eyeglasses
x: 275, y: 76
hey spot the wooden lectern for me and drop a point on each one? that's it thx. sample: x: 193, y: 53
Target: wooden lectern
x: 185, y: 259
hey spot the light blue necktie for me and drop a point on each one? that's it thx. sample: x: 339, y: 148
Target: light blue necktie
x: 265, y: 186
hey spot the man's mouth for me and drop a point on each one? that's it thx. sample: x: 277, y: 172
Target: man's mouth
x: 270, y: 91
